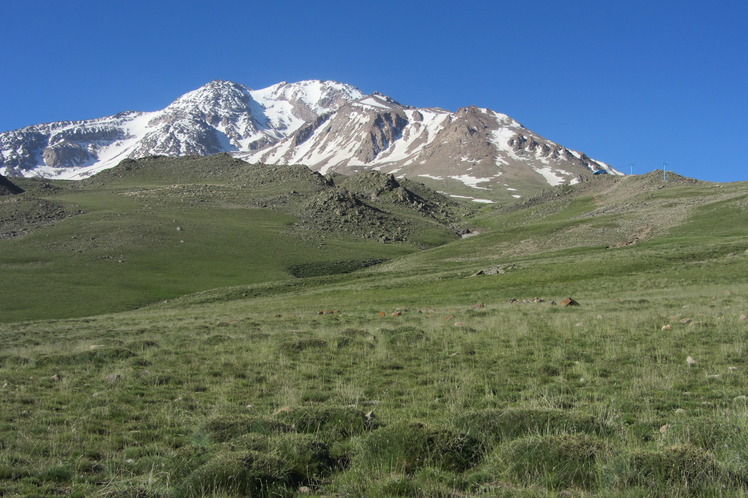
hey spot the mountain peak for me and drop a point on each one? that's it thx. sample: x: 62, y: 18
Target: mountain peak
x: 325, y: 125
x: 214, y: 93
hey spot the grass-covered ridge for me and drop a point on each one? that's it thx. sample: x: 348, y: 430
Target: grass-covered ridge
x: 159, y: 228
x: 412, y: 377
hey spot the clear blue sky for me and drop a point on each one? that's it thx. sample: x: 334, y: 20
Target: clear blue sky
x: 625, y: 82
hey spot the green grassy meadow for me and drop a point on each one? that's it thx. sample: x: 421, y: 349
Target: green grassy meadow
x: 406, y: 378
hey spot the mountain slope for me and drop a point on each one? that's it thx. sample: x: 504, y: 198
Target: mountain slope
x: 328, y: 126
x: 158, y: 227
x: 486, y: 151
x: 221, y: 116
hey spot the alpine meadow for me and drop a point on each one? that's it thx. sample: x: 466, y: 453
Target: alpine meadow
x: 204, y: 326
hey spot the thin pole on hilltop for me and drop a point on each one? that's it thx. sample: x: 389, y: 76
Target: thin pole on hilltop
x: 631, y: 165
x: 664, y: 171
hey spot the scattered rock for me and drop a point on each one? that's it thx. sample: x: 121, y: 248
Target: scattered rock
x: 667, y: 327
x: 744, y: 317
x: 56, y: 378
x: 664, y: 428
x: 112, y: 378
x: 478, y: 306
x: 494, y: 270
x: 690, y: 361
x: 569, y: 302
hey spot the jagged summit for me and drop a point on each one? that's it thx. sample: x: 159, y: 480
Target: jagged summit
x: 325, y: 125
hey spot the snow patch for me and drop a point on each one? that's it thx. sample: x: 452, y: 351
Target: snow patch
x: 373, y: 102
x: 552, y: 177
x: 471, y: 181
x: 482, y: 201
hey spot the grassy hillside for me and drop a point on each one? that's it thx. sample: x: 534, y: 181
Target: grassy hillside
x: 160, y: 228
x: 412, y: 377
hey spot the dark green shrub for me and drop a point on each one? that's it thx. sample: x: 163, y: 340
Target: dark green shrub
x: 13, y: 472
x: 709, y: 433
x: 254, y: 465
x: 307, y: 457
x: 344, y: 341
x: 355, y: 333
x: 404, y: 335
x: 216, y: 339
x: 495, y: 425
x: 299, y: 344
x: 399, y: 485
x: 681, y: 465
x: 251, y: 441
x: 95, y: 356
x: 407, y: 447
x: 226, y: 427
x: 58, y: 473
x: 143, y: 344
x: 335, y: 422
x: 240, y: 473
x: 13, y: 360
x: 186, y: 459
x: 555, y: 461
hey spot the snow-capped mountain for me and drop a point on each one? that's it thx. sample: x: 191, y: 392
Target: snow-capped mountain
x: 221, y: 116
x: 478, y: 147
x: 328, y: 126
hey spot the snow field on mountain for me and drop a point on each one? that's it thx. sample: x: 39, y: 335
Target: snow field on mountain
x: 325, y: 125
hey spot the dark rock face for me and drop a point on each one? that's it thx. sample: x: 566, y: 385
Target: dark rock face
x: 7, y: 187
x: 64, y: 154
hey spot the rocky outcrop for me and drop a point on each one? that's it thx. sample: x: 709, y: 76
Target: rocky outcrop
x: 7, y: 187
x: 65, y: 153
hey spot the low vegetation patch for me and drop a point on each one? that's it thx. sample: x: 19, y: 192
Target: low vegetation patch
x: 405, y: 378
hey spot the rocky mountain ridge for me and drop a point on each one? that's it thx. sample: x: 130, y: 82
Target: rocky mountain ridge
x: 325, y: 125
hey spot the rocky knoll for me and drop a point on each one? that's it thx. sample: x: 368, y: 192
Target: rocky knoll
x: 7, y: 187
